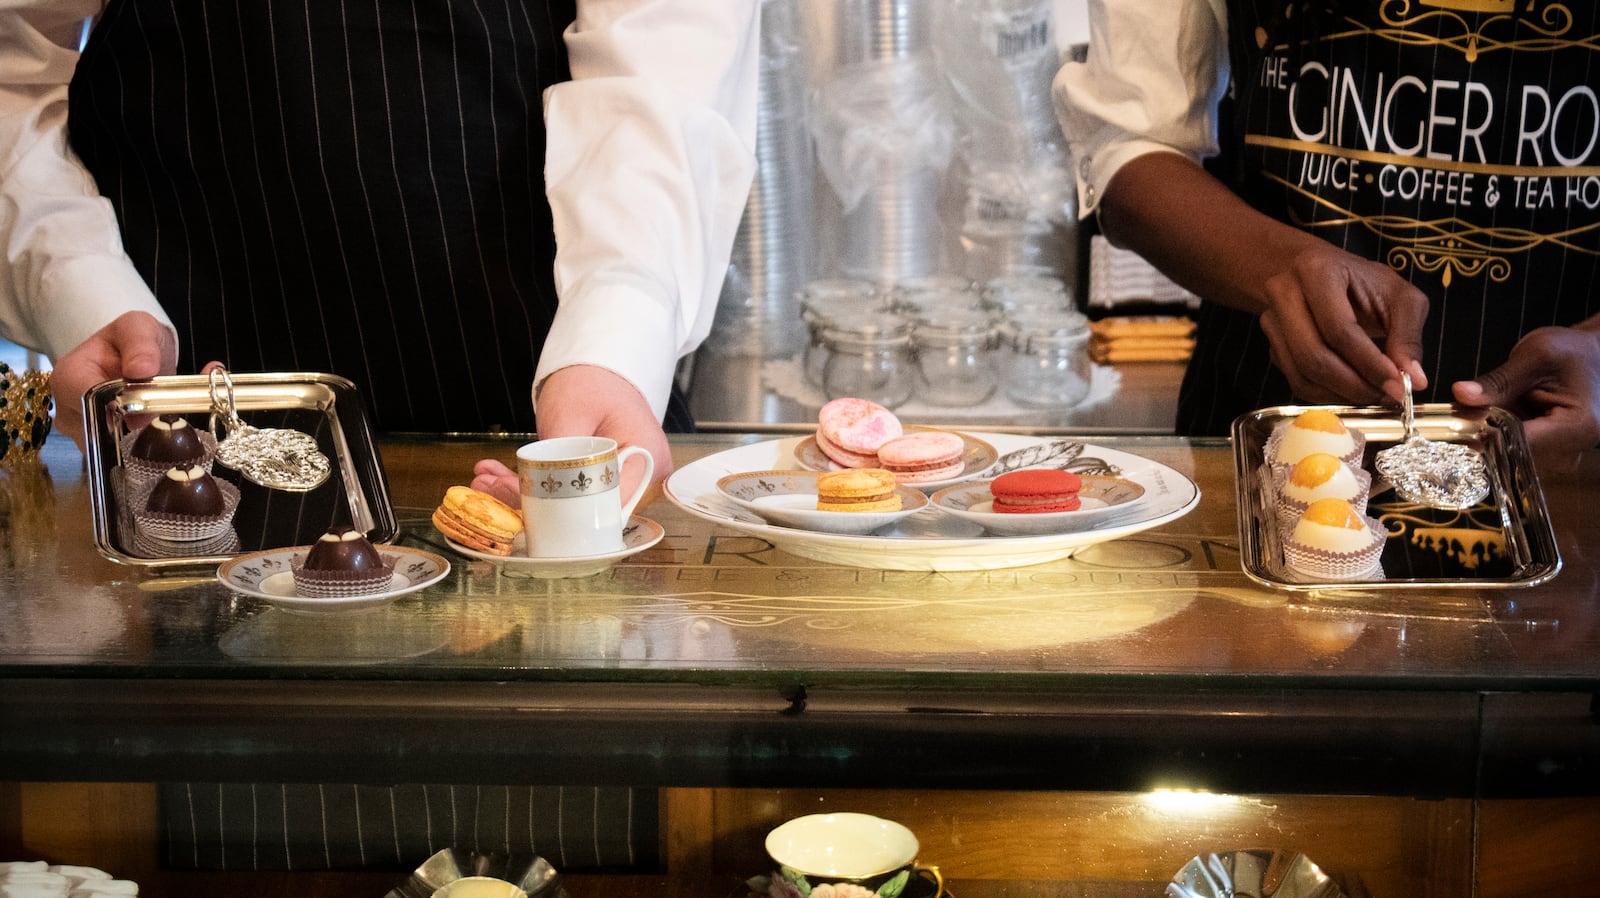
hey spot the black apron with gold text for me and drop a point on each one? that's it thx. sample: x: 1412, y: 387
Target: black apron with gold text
x: 1457, y: 141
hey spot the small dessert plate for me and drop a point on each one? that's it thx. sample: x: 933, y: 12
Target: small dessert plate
x: 640, y: 534
x: 266, y: 576
x: 1101, y: 499
x: 977, y: 457
x: 789, y: 499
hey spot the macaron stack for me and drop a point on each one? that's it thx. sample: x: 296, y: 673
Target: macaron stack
x: 851, y: 431
x: 1036, y: 491
x: 477, y: 520
x: 857, y: 490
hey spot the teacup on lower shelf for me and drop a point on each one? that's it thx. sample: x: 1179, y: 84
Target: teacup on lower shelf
x: 845, y: 855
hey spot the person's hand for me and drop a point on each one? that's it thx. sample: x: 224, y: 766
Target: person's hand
x: 1551, y: 380
x: 1326, y: 313
x: 586, y: 400
x: 133, y: 347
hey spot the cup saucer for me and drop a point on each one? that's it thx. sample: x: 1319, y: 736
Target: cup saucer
x: 640, y: 533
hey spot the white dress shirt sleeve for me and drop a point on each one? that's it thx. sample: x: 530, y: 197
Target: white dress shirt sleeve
x: 1154, y: 74
x: 63, y: 272
x: 650, y: 156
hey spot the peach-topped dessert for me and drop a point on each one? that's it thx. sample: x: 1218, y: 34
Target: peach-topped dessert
x: 342, y: 562
x: 1320, y: 476
x: 1332, y: 539
x: 1314, y: 430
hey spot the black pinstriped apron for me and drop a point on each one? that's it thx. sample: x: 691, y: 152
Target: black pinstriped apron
x: 1454, y: 142
x: 357, y: 188
x: 351, y: 187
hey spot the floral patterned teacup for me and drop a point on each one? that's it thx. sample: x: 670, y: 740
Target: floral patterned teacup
x: 571, y: 498
x: 845, y: 855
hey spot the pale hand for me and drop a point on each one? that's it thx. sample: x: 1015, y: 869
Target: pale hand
x: 133, y: 347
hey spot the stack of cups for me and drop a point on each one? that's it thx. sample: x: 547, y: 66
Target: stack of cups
x: 773, y: 251
x: 885, y: 138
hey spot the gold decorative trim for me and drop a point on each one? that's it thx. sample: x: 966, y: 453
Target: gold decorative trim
x: 1450, y: 245
x: 1549, y: 22
x: 1476, y: 168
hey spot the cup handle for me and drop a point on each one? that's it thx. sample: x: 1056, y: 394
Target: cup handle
x: 931, y: 874
x: 644, y: 482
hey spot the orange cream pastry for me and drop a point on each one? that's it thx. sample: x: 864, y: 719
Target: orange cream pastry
x: 1314, y: 430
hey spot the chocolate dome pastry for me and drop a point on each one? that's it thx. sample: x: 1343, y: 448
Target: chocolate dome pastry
x: 187, y: 504
x: 342, y: 562
x: 186, y: 491
x: 168, y: 441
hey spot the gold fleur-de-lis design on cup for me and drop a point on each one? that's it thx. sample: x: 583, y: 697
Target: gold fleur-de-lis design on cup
x: 607, y: 475
x: 550, y: 484
x: 581, y: 482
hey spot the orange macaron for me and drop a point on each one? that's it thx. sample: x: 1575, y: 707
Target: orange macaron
x: 857, y: 490
x: 477, y: 520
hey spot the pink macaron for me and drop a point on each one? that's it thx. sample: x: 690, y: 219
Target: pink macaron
x: 923, y: 456
x: 849, y: 431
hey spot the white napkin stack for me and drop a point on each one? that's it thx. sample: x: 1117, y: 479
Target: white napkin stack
x: 37, y: 879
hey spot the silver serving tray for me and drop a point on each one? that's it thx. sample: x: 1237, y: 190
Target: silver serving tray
x: 1505, y: 541
x: 325, y: 406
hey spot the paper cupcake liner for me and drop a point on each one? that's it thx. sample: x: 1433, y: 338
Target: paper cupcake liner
x: 147, y: 546
x: 186, y: 528
x: 340, y: 584
x: 143, y: 472
x: 1351, y: 458
x: 1290, y: 510
x: 1327, y: 565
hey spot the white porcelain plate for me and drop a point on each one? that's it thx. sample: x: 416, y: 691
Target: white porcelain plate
x: 640, y: 534
x: 977, y: 457
x: 789, y: 499
x: 928, y: 542
x: 1103, y: 501
x: 265, y: 575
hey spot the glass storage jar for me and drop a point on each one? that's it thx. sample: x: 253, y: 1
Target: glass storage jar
x: 1044, y: 358
x: 822, y: 301
x: 953, y: 348
x: 1017, y: 294
x: 869, y: 357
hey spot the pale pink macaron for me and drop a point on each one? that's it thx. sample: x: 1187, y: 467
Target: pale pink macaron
x: 849, y: 431
x: 923, y: 456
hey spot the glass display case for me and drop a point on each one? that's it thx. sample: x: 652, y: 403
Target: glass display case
x: 1082, y: 726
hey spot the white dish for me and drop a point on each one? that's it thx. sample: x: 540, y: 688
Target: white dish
x: 789, y: 499
x: 926, y: 542
x: 265, y: 575
x: 977, y: 456
x: 1104, y: 500
x: 640, y: 534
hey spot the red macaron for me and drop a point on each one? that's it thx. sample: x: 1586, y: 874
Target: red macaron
x: 923, y: 456
x: 1038, y: 491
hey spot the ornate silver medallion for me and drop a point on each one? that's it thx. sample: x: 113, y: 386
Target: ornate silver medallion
x: 1431, y: 472
x: 275, y: 458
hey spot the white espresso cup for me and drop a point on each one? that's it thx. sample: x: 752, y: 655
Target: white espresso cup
x: 572, y: 495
